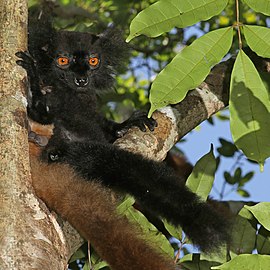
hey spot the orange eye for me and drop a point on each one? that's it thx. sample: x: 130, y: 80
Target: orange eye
x: 62, y: 61
x: 93, y: 61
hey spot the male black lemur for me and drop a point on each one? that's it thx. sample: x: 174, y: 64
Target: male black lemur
x: 66, y: 70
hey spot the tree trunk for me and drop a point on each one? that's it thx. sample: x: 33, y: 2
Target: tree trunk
x: 30, y: 237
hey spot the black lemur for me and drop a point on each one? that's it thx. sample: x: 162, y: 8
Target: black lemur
x: 66, y: 70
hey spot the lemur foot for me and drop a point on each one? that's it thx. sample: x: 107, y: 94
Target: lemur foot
x: 137, y: 119
x: 37, y: 139
x: 55, y: 150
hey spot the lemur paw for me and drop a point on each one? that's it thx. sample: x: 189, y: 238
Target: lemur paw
x: 37, y: 139
x: 27, y: 62
x: 137, y: 119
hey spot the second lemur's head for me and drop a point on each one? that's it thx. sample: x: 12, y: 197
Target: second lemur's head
x: 85, y: 62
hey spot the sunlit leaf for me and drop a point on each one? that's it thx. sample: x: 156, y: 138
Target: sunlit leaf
x: 163, y: 15
x: 125, y: 205
x: 189, y: 68
x: 258, y: 39
x: 151, y: 232
x: 246, y: 262
x: 243, y: 193
x: 202, y: 177
x: 100, y: 265
x: 262, y: 6
x: 250, y: 17
x: 249, y: 110
x: 173, y: 230
x: 86, y: 266
x: 261, y: 211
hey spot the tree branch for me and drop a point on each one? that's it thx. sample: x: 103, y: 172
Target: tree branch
x: 177, y: 120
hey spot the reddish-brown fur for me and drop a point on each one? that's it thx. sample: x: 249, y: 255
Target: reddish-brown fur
x: 89, y: 207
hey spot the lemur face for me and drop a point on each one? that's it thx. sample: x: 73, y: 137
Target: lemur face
x: 83, y: 62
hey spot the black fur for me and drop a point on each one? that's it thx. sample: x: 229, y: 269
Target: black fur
x: 82, y: 138
x: 57, y: 97
x: 153, y: 184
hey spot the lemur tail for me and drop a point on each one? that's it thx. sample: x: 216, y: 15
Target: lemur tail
x: 88, y: 206
x: 155, y: 186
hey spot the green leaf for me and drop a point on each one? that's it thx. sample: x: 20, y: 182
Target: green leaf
x: 261, y: 211
x: 238, y: 174
x: 263, y: 241
x: 258, y: 39
x: 151, y: 232
x: 246, y: 178
x: 202, y: 177
x: 86, y: 266
x: 262, y: 6
x: 246, y: 262
x: 125, y: 205
x: 79, y: 254
x: 227, y: 148
x: 100, y: 265
x: 163, y: 15
x: 219, y: 257
x: 228, y: 178
x: 173, y: 230
x: 197, y: 261
x: 243, y: 193
x: 243, y: 233
x: 249, y: 110
x: 189, y: 68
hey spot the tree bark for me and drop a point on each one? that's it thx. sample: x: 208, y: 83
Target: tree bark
x: 30, y: 237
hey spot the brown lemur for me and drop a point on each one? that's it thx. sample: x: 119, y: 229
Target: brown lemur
x: 66, y: 70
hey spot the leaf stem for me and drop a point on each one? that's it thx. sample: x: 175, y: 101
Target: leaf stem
x: 89, y: 255
x: 238, y: 24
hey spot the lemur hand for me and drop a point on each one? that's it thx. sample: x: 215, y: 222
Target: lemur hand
x: 137, y: 119
x: 28, y: 63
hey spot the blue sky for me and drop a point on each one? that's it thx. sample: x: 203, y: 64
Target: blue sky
x: 198, y: 144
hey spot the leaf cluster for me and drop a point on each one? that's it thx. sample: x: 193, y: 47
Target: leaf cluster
x: 249, y: 98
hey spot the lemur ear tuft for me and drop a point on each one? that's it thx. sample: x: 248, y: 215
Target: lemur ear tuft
x: 114, y: 47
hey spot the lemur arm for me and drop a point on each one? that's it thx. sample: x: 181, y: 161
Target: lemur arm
x: 37, y: 101
x: 115, y: 130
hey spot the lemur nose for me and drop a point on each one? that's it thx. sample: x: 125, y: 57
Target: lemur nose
x: 81, y: 82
